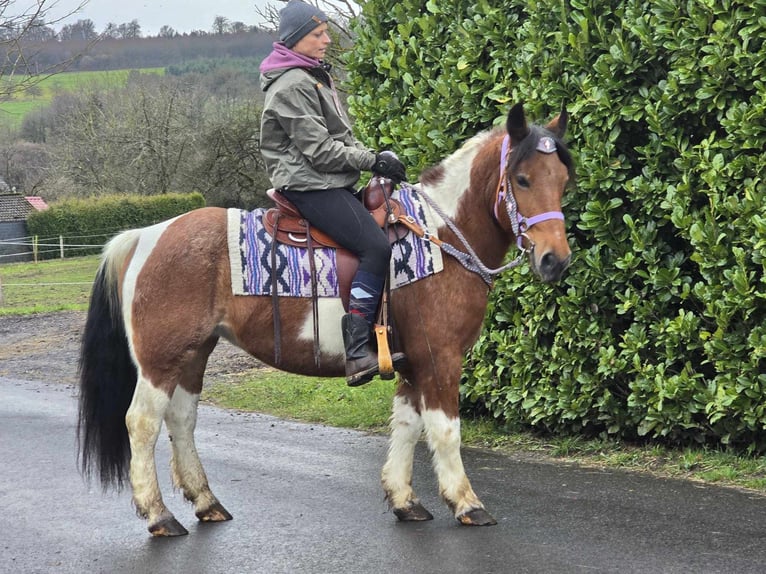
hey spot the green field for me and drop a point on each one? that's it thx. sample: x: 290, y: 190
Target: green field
x: 39, y: 94
x: 57, y: 285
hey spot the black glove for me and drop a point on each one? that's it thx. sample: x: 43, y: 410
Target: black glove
x: 388, y: 165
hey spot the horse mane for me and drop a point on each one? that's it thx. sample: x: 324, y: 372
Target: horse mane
x: 435, y: 174
x: 457, y: 160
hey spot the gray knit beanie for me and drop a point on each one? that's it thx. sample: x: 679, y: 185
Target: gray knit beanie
x: 298, y: 19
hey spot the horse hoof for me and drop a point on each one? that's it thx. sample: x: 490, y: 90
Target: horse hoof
x: 476, y: 517
x: 216, y: 513
x: 414, y: 513
x: 168, y: 527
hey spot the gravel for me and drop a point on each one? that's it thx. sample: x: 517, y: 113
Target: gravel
x: 46, y: 346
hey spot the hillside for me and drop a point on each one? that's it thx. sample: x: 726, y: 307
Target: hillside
x: 38, y: 95
x: 132, y: 53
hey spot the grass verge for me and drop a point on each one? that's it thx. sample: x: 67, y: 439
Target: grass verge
x: 331, y: 402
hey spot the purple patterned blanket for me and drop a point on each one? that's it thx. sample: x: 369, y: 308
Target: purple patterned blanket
x: 250, y: 256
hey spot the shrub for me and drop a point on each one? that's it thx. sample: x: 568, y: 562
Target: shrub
x: 93, y: 221
x: 658, y: 329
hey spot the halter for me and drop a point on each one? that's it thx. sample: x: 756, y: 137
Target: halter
x: 519, y: 223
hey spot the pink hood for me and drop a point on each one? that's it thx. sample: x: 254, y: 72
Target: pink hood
x: 282, y: 57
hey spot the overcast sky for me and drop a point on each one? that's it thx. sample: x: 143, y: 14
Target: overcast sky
x: 181, y: 15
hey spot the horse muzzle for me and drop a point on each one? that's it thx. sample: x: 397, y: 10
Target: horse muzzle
x: 550, y: 266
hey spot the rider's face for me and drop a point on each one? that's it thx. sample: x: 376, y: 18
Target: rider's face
x: 315, y: 43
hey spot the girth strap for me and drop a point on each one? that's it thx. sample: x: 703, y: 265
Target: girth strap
x: 275, y: 301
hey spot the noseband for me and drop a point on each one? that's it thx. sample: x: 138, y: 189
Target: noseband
x: 519, y: 223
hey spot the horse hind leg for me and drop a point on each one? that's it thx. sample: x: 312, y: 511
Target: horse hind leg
x: 186, y: 467
x: 443, y: 435
x: 406, y: 429
x: 144, y: 421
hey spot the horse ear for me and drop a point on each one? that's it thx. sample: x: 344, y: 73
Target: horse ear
x: 559, y: 124
x: 517, y: 123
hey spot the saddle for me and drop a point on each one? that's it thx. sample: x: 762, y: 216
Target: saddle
x: 285, y: 225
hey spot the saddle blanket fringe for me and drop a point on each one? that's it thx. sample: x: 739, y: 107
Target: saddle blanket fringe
x: 250, y: 255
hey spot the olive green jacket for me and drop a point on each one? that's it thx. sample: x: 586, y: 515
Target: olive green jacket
x: 306, y: 138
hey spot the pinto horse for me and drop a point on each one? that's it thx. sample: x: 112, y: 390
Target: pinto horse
x: 163, y: 297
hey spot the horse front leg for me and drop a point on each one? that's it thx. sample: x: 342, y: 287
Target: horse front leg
x: 443, y: 435
x: 186, y: 467
x: 406, y: 429
x: 144, y: 420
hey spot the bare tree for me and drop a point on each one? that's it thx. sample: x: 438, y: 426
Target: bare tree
x: 24, y: 26
x: 111, y: 31
x: 80, y: 30
x: 220, y: 25
x: 167, y: 32
x: 238, y: 27
x: 158, y: 134
x: 130, y: 29
x: 132, y: 140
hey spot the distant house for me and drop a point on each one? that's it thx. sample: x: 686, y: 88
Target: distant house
x: 14, y: 211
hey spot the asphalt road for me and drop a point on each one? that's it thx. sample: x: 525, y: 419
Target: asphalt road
x: 307, y: 499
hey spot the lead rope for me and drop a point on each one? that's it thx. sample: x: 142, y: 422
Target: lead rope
x: 469, y: 260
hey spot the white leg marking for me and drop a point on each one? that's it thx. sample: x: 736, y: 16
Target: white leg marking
x: 330, y: 335
x: 144, y: 420
x: 406, y: 429
x: 186, y: 468
x: 443, y: 434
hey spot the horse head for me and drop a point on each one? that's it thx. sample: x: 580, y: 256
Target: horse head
x: 536, y: 166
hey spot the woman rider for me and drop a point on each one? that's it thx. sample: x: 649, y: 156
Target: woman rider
x: 313, y: 158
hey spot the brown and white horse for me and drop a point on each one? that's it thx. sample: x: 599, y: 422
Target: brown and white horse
x: 163, y: 298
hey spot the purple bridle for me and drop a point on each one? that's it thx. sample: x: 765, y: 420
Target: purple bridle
x: 519, y: 223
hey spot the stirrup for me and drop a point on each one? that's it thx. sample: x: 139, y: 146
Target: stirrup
x: 388, y: 363
x: 385, y: 362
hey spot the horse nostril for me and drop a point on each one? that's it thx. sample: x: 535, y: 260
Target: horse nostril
x: 551, y: 267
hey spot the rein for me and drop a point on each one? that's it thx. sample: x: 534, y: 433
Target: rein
x: 519, y: 224
x: 469, y: 260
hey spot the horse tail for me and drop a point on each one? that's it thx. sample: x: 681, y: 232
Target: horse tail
x: 108, y: 374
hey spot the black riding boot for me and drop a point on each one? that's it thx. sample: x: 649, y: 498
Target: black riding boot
x: 361, y: 359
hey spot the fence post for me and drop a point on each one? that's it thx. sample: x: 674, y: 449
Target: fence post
x: 34, y: 247
x: 61, y: 245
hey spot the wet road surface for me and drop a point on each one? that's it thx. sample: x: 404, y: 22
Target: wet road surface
x: 307, y: 499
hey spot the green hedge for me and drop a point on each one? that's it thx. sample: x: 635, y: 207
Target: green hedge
x: 658, y: 329
x: 94, y: 221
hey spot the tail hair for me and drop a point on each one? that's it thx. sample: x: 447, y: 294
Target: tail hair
x: 107, y: 372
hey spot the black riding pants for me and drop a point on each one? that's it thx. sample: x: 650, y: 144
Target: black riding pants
x: 339, y: 214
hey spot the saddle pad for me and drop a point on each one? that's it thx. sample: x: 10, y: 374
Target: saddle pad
x: 250, y: 256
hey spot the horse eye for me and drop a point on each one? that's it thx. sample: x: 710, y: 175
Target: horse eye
x: 522, y: 181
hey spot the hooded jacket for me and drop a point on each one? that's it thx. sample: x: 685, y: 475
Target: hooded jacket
x: 306, y: 138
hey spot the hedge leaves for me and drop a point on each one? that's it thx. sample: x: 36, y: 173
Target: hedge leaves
x: 658, y: 329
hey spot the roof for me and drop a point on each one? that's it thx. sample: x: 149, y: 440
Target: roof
x: 16, y: 207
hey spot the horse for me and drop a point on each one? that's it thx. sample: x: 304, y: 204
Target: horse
x: 162, y: 299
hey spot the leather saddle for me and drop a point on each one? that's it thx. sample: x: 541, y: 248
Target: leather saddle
x: 284, y: 224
